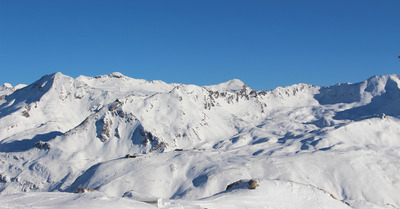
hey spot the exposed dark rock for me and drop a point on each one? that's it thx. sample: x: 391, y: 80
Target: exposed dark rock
x: 103, y: 129
x: 243, y: 184
x: 253, y: 184
x: 42, y: 145
x: 116, y: 105
x: 131, y: 156
x: 25, y: 114
x: 160, y: 147
x: 4, y: 178
x: 84, y: 190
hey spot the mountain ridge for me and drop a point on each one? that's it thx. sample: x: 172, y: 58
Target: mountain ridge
x: 61, y: 133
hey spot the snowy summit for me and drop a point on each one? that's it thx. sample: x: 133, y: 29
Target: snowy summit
x: 150, y: 144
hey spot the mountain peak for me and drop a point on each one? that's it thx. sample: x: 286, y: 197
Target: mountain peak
x: 5, y: 89
x: 231, y: 85
x: 6, y: 86
x: 50, y: 80
x: 116, y: 75
x: 57, y: 74
x: 112, y: 75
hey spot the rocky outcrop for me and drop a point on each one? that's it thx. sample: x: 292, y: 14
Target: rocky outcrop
x: 243, y: 184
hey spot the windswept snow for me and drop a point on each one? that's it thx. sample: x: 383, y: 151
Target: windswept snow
x: 309, y: 146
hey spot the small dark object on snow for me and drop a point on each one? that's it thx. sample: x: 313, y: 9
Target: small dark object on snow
x: 178, y: 150
x: 42, y: 145
x: 84, y: 190
x: 243, y: 184
x: 253, y: 184
x: 131, y: 156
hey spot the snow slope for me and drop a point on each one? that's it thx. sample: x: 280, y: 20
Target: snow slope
x: 270, y: 194
x: 336, y: 145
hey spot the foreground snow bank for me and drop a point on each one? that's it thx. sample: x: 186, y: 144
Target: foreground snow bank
x: 270, y: 194
x: 61, y: 200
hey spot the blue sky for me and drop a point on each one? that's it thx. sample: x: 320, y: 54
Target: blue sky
x: 266, y: 43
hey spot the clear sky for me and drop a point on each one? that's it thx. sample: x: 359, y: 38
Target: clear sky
x: 265, y: 43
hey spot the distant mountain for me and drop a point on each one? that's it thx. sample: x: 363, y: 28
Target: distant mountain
x: 116, y: 134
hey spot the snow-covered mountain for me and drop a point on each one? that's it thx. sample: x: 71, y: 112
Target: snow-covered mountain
x: 317, y: 146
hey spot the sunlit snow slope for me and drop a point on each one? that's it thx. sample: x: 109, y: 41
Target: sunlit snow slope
x: 179, y: 142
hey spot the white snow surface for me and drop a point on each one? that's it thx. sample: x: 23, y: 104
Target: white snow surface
x: 270, y: 194
x: 308, y: 146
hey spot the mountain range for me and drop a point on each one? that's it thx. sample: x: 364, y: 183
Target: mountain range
x: 307, y: 146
